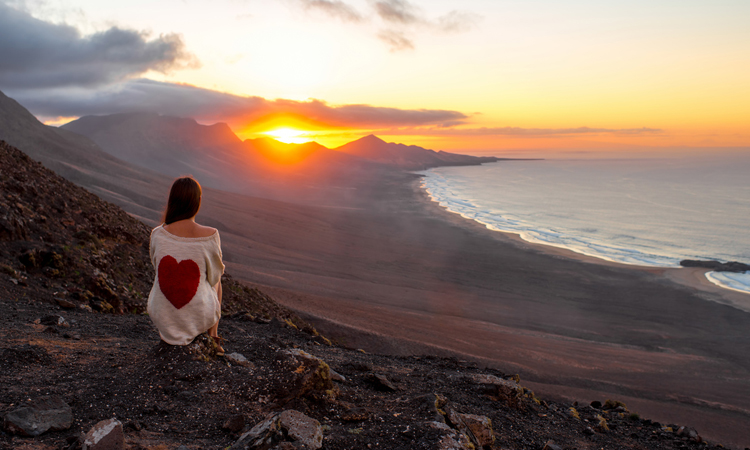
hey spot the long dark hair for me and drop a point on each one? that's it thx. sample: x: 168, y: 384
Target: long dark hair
x: 184, y: 200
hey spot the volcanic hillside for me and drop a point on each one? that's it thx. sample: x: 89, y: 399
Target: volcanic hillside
x: 64, y: 243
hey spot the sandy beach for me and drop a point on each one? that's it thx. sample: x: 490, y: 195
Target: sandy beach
x: 398, y: 274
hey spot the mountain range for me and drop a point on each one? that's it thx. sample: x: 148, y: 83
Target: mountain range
x: 96, y: 151
x: 215, y: 155
x: 79, y: 159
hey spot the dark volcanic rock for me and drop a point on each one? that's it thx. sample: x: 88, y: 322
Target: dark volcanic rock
x: 551, y: 446
x: 478, y: 429
x: 732, y: 266
x: 54, y: 320
x: 105, y: 435
x: 235, y: 424
x: 239, y: 359
x: 42, y: 415
x: 65, y: 304
x: 301, y: 374
x: 290, y: 426
x: 381, y: 383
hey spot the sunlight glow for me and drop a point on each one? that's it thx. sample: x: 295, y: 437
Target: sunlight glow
x: 57, y: 120
x: 288, y: 135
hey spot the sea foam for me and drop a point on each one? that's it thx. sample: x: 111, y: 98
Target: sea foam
x: 644, y: 217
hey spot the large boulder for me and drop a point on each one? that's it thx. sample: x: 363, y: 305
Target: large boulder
x: 690, y: 433
x: 301, y: 374
x: 301, y: 428
x: 478, y: 429
x: 381, y: 383
x: 287, y: 427
x: 503, y: 389
x: 451, y: 439
x: 105, y: 435
x: 239, y: 359
x: 42, y: 415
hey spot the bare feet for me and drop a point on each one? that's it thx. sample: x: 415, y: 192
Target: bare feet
x: 218, y: 341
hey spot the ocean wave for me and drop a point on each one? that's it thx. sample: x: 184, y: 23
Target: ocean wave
x: 731, y: 280
x: 582, y: 240
x: 505, y: 222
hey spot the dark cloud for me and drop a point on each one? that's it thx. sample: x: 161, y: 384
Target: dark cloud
x: 35, y: 53
x: 207, y: 105
x: 516, y: 131
x: 211, y: 106
x: 335, y: 8
x: 396, y: 40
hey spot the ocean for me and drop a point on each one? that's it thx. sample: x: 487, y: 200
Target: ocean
x: 648, y: 212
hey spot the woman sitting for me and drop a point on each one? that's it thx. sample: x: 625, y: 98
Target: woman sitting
x: 185, y: 299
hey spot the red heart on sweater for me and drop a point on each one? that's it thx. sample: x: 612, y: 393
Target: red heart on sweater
x: 178, y: 281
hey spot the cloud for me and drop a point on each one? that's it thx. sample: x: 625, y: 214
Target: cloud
x: 211, y: 106
x: 398, y: 18
x: 457, y: 21
x: 39, y: 54
x: 396, y: 40
x: 516, y: 131
x: 401, y: 15
x: 397, y: 11
x: 334, y: 8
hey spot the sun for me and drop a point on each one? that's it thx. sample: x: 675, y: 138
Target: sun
x: 288, y: 135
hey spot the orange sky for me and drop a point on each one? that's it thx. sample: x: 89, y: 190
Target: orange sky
x: 475, y: 75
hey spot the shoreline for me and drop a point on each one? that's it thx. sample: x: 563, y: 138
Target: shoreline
x: 401, y: 275
x: 694, y: 278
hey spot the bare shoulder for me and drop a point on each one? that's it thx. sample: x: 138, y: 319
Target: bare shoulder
x: 189, y: 229
x: 203, y: 231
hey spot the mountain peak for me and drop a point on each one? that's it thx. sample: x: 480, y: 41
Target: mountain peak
x: 410, y: 157
x: 371, y: 138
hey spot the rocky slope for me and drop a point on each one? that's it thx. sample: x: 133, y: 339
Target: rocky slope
x: 81, y: 161
x: 62, y: 241
x: 75, y: 349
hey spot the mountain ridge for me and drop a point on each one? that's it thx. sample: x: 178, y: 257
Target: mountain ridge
x: 219, y: 159
x: 116, y: 134
x: 408, y: 157
x: 81, y: 160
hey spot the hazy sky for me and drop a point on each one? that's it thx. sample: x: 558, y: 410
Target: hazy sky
x: 469, y: 75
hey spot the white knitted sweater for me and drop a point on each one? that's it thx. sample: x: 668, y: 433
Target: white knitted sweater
x: 183, y: 302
